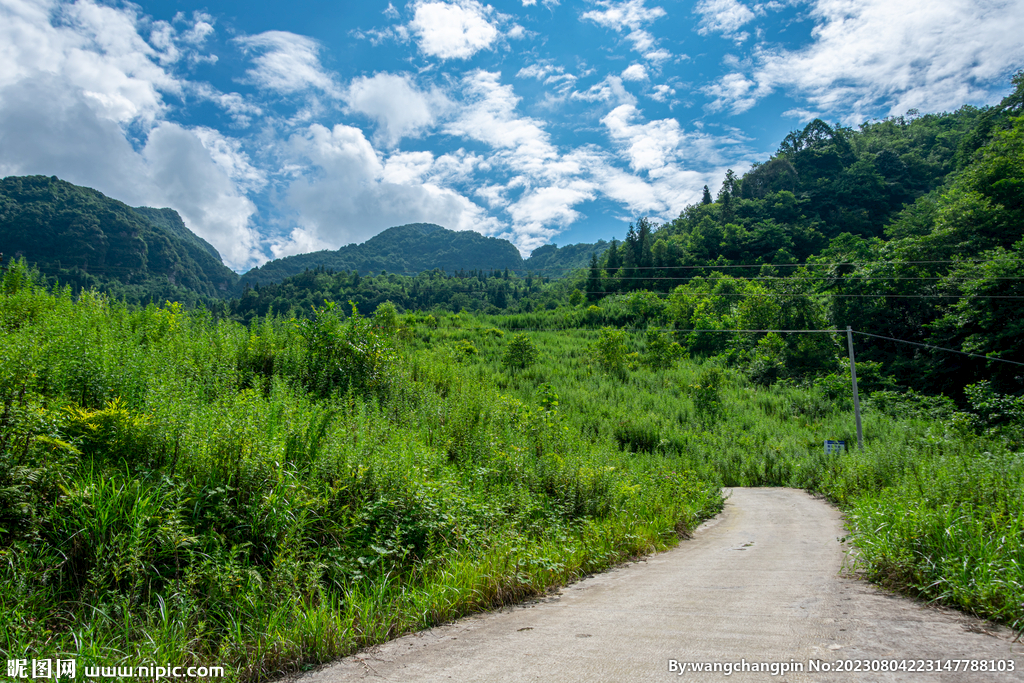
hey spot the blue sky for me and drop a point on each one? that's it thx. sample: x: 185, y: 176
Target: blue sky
x: 277, y: 128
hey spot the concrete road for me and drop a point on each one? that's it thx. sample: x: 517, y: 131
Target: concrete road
x: 760, y: 583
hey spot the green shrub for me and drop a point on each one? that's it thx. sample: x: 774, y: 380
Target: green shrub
x: 520, y: 353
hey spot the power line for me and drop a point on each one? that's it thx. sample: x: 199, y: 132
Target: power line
x: 940, y: 348
x: 867, y: 334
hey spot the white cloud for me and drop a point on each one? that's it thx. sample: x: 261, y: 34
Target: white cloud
x: 346, y: 192
x: 199, y: 185
x: 649, y: 146
x: 722, y: 16
x: 670, y: 166
x: 610, y: 89
x: 73, y: 78
x: 173, y: 46
x: 542, y: 185
x: 662, y: 92
x: 286, y: 63
x: 241, y: 109
x: 736, y: 91
x: 542, y: 213
x: 396, y: 104
x: 871, y: 54
x: 228, y: 155
x: 635, y: 72
x: 488, y: 115
x: 94, y: 49
x: 632, y: 15
x: 456, y: 30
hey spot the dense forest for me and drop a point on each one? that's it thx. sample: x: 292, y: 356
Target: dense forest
x: 419, y: 247
x: 79, y: 237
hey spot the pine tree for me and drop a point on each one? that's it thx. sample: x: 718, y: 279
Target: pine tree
x: 594, y: 279
x: 706, y: 199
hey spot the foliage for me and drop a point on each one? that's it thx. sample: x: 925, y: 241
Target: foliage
x: 180, y: 488
x: 520, y: 353
x: 80, y: 237
x: 660, y: 352
x: 707, y: 396
x: 342, y: 356
x: 612, y: 353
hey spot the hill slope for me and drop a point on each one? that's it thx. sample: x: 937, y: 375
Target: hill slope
x: 85, y: 238
x: 405, y: 249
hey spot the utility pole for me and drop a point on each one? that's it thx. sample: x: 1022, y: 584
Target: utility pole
x: 856, y: 398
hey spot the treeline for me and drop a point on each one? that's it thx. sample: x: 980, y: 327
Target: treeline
x: 474, y: 290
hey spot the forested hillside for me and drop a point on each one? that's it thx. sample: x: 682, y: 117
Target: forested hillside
x: 420, y: 247
x: 405, y: 249
x: 909, y: 227
x: 80, y: 237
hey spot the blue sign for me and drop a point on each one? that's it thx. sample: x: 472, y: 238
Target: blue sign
x: 834, y: 446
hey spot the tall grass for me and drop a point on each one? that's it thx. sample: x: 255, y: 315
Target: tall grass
x: 179, y: 489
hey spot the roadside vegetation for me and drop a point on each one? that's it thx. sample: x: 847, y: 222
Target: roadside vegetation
x: 175, y: 488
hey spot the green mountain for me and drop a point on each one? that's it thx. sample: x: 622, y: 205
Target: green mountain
x: 405, y: 249
x: 554, y: 261
x: 419, y: 247
x: 86, y: 239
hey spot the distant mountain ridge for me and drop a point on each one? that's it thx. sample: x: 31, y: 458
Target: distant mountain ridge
x: 85, y: 238
x: 417, y: 247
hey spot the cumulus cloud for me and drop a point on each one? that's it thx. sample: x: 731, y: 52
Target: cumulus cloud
x: 347, y: 192
x: 631, y: 15
x: 549, y: 74
x: 669, y: 165
x: 609, y: 89
x: 453, y: 30
x: 662, y: 92
x: 723, y: 16
x: 876, y: 54
x: 286, y: 63
x: 74, y: 78
x: 543, y: 185
x: 396, y: 104
x: 186, y: 176
x: 96, y: 49
x: 635, y: 72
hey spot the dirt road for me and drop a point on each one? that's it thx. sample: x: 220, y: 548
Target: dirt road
x: 758, y: 583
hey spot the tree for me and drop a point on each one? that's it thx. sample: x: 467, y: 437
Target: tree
x: 613, y: 264
x: 706, y: 199
x: 594, y: 279
x: 661, y: 353
x: 520, y: 353
x: 611, y: 351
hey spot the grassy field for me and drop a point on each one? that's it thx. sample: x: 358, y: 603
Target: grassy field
x: 179, y: 489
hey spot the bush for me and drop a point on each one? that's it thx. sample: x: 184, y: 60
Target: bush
x: 707, y: 396
x: 353, y: 355
x: 661, y: 354
x: 520, y: 353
